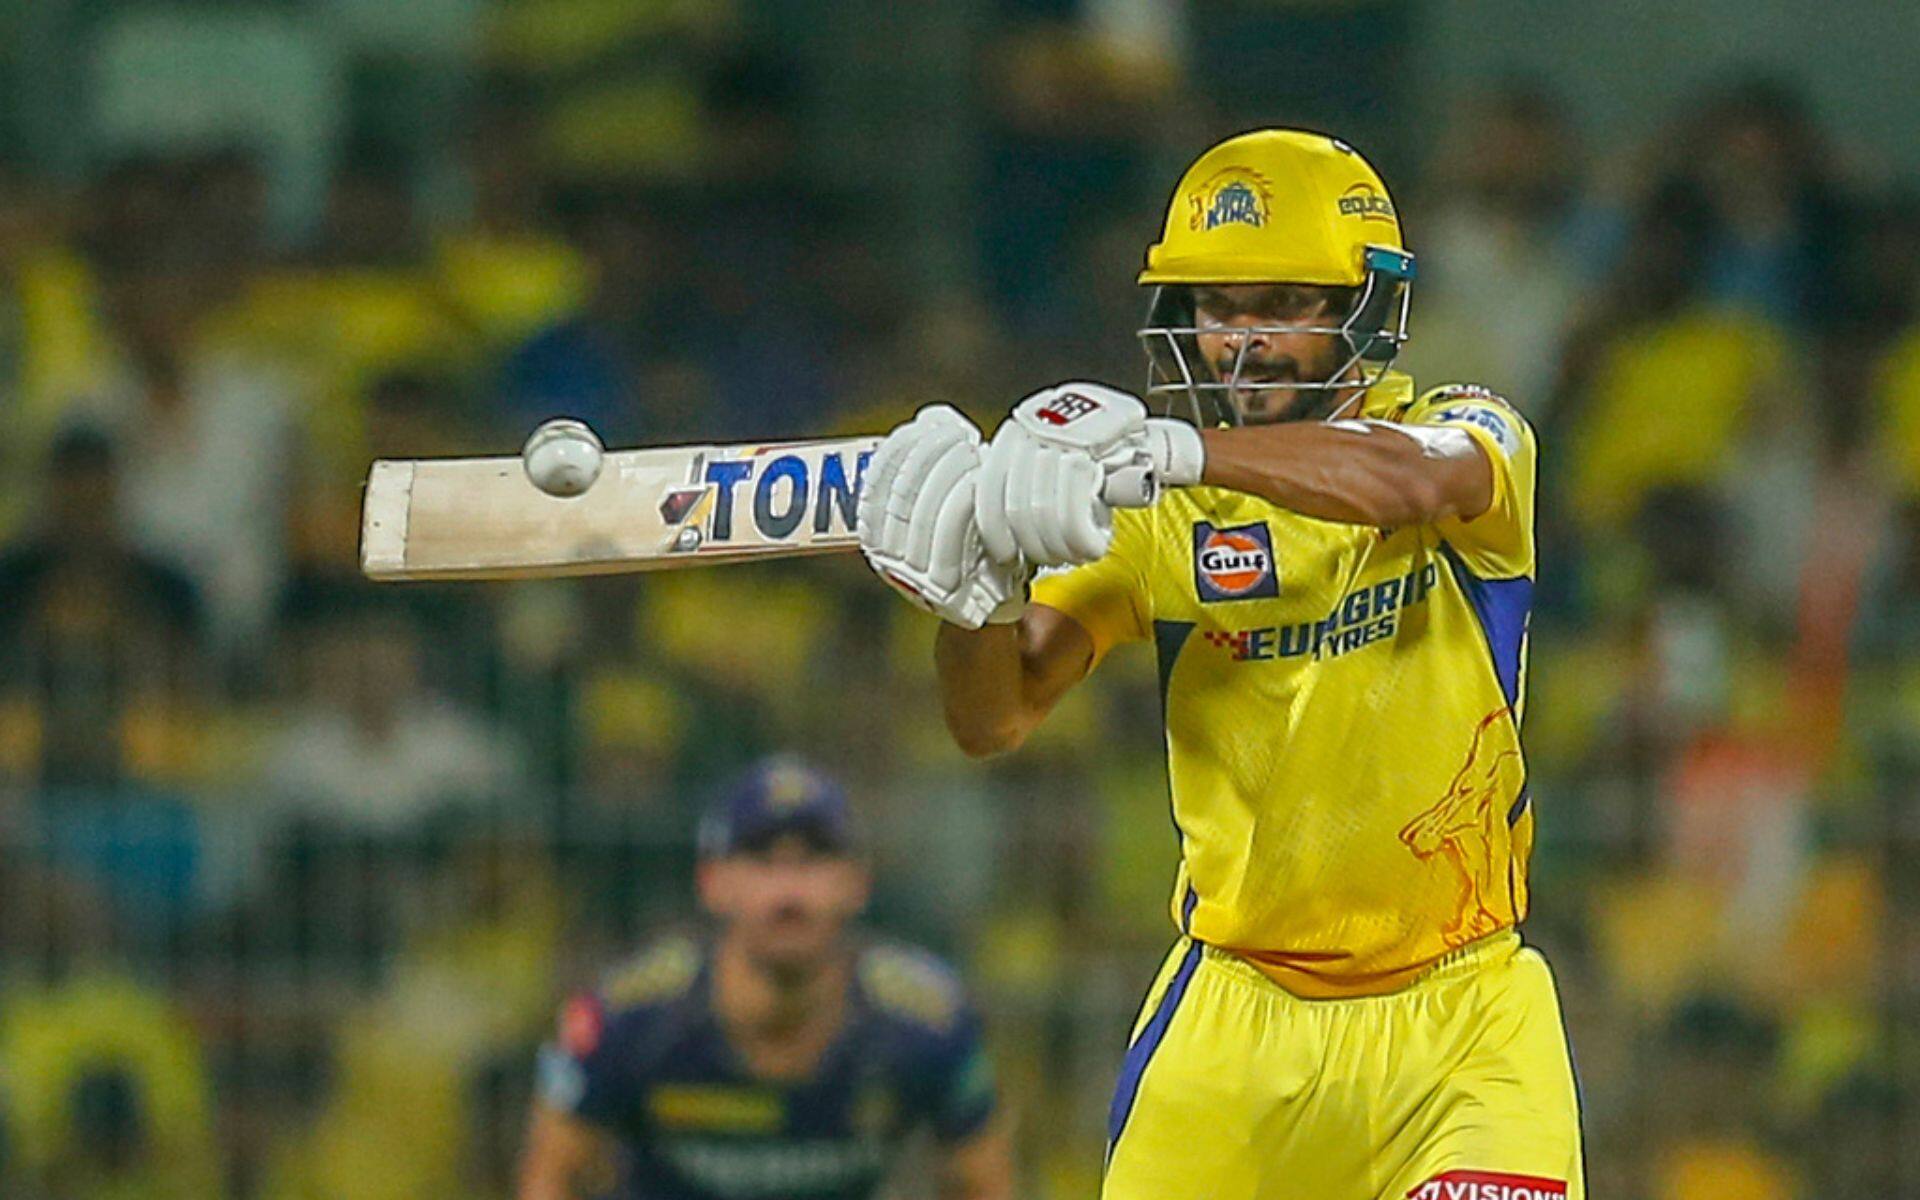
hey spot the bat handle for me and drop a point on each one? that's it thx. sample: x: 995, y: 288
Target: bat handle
x: 1132, y: 486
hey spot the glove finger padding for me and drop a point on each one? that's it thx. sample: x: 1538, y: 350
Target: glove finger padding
x: 882, y: 470
x: 957, y: 582
x: 952, y: 549
x: 1041, y: 527
x: 954, y: 465
x: 930, y: 441
x: 1035, y: 496
x: 990, y: 499
x: 1040, y: 501
x: 1088, y: 528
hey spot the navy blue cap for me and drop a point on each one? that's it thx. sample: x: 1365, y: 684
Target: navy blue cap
x: 776, y: 797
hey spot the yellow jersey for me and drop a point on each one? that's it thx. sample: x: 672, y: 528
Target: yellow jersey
x: 1342, y: 708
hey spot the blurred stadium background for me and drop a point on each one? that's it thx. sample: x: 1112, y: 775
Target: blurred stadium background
x: 293, y: 870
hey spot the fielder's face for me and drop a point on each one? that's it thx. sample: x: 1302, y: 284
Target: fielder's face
x: 1270, y: 334
x: 787, y: 902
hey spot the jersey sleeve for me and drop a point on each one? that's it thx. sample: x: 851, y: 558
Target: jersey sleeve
x: 945, y: 1074
x: 1110, y: 597
x: 957, y: 1090
x: 579, y: 1070
x: 1498, y: 543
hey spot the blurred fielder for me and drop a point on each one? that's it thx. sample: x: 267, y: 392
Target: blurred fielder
x: 1336, y: 588
x: 783, y: 1059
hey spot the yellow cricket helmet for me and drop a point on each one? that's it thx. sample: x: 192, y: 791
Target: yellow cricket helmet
x: 1278, y: 206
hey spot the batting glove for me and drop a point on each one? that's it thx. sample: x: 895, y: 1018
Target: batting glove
x: 916, y: 523
x: 1046, y: 487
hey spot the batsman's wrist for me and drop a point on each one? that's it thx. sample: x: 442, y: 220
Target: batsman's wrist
x: 1009, y: 611
x: 1179, y: 456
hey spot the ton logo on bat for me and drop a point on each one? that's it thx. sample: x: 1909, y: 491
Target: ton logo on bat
x: 784, y: 489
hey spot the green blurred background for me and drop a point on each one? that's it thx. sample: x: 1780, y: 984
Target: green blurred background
x: 293, y: 870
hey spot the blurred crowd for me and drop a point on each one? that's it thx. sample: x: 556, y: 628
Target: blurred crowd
x: 283, y: 854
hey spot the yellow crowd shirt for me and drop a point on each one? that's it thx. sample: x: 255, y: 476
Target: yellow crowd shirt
x: 1342, y: 708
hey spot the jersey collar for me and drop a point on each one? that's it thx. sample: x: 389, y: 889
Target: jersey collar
x: 1387, y: 398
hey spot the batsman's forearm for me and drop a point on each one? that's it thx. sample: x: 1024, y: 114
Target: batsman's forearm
x: 1000, y: 682
x: 982, y: 685
x: 1363, y: 476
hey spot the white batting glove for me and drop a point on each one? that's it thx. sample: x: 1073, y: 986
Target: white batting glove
x: 1042, y: 479
x: 916, y: 523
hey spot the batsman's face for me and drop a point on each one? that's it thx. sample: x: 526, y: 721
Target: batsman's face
x: 788, y: 902
x: 1259, y: 334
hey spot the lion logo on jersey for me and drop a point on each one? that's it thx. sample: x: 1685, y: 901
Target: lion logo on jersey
x: 1466, y: 829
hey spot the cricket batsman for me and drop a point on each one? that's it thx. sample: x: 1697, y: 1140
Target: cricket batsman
x: 1336, y: 583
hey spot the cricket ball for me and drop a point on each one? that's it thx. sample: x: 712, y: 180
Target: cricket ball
x: 563, y: 457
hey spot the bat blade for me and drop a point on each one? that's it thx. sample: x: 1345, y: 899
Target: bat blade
x: 653, y: 509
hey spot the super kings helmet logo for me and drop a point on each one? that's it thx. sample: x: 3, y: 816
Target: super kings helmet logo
x: 1235, y: 196
x: 1233, y: 564
x: 1067, y: 407
x: 1467, y: 829
x: 1364, y: 201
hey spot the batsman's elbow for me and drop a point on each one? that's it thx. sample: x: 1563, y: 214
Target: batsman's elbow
x: 1412, y: 500
x: 979, y: 741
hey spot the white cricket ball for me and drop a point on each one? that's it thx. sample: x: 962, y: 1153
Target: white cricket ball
x: 563, y: 457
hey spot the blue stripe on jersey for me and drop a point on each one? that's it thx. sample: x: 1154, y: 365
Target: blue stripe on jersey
x: 1134, y: 1066
x: 1168, y: 637
x: 1187, y: 905
x: 1502, y: 606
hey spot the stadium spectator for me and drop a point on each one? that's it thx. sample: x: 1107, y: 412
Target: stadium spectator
x: 371, y: 747
x: 1659, y: 384
x: 587, y: 365
x: 1709, y: 1105
x: 369, y: 219
x: 49, y: 330
x: 1063, y: 143
x: 1763, y: 165
x: 90, y: 623
x: 507, y: 271
x: 106, y: 1092
x: 207, y: 426
x: 1497, y: 229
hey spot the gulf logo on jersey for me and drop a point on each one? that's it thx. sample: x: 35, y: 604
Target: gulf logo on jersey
x: 1234, y: 564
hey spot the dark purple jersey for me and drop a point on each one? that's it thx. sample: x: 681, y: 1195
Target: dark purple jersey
x: 645, y: 1058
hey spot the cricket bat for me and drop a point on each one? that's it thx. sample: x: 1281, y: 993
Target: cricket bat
x: 650, y: 510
